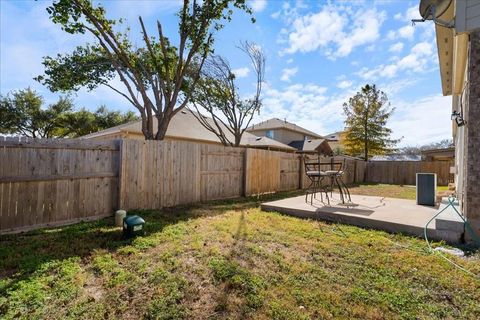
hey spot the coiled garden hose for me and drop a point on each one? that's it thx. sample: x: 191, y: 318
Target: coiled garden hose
x: 451, y: 203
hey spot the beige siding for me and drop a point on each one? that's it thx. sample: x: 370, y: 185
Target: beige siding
x: 287, y: 136
x: 282, y: 135
x: 467, y: 15
x: 473, y: 15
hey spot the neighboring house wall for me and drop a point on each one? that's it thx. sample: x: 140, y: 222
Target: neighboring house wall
x: 336, y: 141
x: 282, y: 135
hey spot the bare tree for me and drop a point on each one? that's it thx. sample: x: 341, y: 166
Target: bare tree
x: 217, y: 93
x: 158, y: 77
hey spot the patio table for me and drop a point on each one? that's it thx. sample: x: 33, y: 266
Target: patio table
x: 334, y: 171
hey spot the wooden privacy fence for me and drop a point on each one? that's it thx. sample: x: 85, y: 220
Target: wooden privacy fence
x: 271, y: 171
x: 49, y: 182
x: 158, y: 174
x: 404, y: 172
x: 52, y: 182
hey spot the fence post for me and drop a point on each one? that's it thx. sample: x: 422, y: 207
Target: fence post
x: 121, y: 174
x: 245, y: 173
x: 355, y: 171
x: 301, y: 171
x: 365, y: 172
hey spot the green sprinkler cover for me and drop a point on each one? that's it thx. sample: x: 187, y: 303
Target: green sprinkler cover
x: 133, y: 226
x: 133, y: 220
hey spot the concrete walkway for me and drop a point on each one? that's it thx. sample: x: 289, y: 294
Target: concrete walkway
x: 392, y: 215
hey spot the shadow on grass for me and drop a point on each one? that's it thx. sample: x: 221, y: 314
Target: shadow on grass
x: 24, y: 253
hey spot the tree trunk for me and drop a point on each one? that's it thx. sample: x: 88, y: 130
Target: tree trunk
x: 149, y: 126
x: 163, y: 122
x: 238, y: 139
x: 366, y: 150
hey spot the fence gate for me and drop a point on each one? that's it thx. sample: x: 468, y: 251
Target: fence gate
x: 262, y: 170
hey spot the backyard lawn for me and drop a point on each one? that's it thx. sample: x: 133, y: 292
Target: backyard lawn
x: 230, y: 260
x: 387, y: 190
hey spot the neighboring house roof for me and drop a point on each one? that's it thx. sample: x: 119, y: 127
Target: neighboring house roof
x: 450, y: 151
x: 333, y: 136
x: 184, y: 125
x: 396, y: 157
x: 276, y: 123
x: 312, y: 146
x: 443, y: 154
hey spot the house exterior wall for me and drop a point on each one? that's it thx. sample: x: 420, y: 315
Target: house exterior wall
x: 282, y: 135
x: 460, y: 102
x: 467, y: 15
x: 472, y: 137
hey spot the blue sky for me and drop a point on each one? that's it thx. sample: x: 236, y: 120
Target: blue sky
x: 318, y: 55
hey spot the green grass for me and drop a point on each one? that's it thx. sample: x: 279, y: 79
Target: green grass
x: 388, y: 190
x: 229, y: 260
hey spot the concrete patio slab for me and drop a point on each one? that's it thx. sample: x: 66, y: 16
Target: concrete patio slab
x: 388, y: 214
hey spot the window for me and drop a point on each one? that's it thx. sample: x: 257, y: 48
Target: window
x: 269, y: 134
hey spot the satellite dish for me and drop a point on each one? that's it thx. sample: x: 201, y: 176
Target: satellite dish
x: 433, y: 9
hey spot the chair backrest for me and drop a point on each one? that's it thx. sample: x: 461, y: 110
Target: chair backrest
x: 338, y: 165
x: 332, y: 165
x: 312, y: 165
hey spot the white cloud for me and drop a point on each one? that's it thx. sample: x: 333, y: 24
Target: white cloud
x: 397, y: 47
x: 336, y: 30
x: 421, y: 56
x: 275, y: 15
x: 344, y: 84
x: 258, y: 5
x: 304, y: 104
x: 366, y: 26
x: 406, y: 32
x: 422, y: 121
x: 411, y: 13
x: 419, y: 121
x: 391, y: 35
x: 313, y: 31
x: 287, y: 73
x: 241, y: 72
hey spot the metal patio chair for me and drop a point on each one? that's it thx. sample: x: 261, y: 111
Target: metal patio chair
x: 336, y: 174
x: 316, y: 176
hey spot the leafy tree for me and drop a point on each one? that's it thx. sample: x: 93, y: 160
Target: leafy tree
x: 83, y: 122
x: 417, y: 150
x: 367, y: 114
x: 21, y: 113
x: 338, y: 150
x: 157, y: 78
x: 217, y: 93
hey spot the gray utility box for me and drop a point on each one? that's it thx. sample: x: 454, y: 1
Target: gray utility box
x: 426, y: 188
